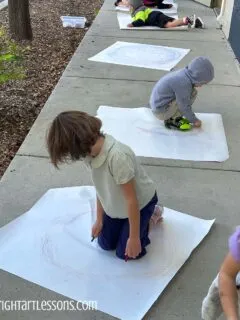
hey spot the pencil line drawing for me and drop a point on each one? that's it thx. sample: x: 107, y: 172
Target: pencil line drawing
x: 137, y: 55
x: 51, y: 246
x: 53, y: 255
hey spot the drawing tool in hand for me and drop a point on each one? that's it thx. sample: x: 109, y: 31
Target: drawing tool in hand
x: 92, y: 239
x: 126, y: 258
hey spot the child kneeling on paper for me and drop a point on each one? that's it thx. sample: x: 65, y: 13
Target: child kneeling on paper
x: 144, y: 16
x: 126, y: 196
x: 223, y: 295
x: 173, y: 95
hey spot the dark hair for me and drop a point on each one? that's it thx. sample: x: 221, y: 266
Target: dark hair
x: 117, y: 2
x: 72, y: 135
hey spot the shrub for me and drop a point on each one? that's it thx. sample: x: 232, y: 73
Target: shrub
x: 11, y: 59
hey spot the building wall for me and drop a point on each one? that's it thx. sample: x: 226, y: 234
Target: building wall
x: 227, y: 16
x: 234, y: 30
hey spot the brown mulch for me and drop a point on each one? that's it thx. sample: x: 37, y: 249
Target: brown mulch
x: 51, y: 50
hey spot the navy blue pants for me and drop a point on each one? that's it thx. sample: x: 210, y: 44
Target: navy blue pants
x: 115, y: 232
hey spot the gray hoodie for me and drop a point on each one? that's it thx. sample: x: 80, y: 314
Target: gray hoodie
x: 178, y: 85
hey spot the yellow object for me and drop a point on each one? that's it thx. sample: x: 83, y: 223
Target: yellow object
x: 142, y: 15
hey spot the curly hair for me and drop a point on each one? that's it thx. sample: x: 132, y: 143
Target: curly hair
x: 72, y: 134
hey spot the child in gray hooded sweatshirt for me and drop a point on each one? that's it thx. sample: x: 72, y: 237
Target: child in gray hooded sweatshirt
x: 173, y: 95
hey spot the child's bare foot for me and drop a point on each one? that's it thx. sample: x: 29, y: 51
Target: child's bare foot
x: 157, y: 214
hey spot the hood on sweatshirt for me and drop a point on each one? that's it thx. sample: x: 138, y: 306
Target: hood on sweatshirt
x: 135, y: 3
x: 200, y: 70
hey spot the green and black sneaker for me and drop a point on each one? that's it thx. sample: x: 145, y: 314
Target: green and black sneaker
x: 179, y: 123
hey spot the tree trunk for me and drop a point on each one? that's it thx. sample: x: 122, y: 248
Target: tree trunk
x: 19, y: 19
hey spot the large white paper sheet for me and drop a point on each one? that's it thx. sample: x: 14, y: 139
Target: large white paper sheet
x: 124, y: 19
x: 148, y: 137
x: 138, y: 55
x: 165, y: 11
x: 51, y: 246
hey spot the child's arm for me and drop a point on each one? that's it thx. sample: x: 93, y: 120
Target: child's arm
x: 227, y: 287
x: 183, y: 99
x: 133, y: 210
x: 184, y: 104
x: 138, y: 23
x: 133, y: 247
x: 99, y: 211
x: 122, y: 168
x: 97, y: 227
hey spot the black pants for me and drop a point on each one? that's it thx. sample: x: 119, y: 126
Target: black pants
x: 158, y: 19
x: 156, y: 3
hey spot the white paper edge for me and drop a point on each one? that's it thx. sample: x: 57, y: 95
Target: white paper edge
x: 150, y: 304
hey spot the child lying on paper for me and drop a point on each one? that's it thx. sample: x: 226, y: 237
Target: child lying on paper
x: 223, y: 295
x: 144, y: 16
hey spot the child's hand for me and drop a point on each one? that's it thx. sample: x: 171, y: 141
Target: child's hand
x: 133, y: 247
x: 197, y: 124
x: 130, y: 25
x: 96, y: 229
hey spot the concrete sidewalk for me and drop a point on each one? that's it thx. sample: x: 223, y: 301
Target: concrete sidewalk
x: 206, y: 190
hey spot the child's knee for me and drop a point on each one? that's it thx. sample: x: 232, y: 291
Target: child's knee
x: 120, y: 253
x: 106, y: 245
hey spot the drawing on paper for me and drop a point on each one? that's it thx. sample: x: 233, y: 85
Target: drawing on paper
x: 136, y: 54
x: 130, y: 125
x: 70, y: 228
x: 159, y: 55
x: 51, y: 246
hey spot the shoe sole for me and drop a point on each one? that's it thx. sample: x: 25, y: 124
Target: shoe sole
x: 202, y: 27
x: 194, y: 22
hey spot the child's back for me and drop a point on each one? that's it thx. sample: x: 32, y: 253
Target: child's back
x: 116, y: 165
x: 144, y: 16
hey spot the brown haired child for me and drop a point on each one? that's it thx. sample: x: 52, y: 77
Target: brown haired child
x: 126, y: 196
